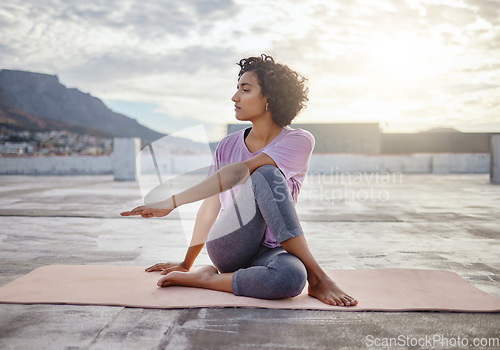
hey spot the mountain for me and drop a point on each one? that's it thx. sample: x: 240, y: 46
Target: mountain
x: 442, y: 131
x: 42, y: 95
x: 12, y: 119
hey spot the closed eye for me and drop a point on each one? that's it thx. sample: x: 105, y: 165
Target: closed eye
x: 243, y: 86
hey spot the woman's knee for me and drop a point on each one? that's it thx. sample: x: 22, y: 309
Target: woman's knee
x: 269, y: 176
x: 269, y: 172
x: 290, y: 278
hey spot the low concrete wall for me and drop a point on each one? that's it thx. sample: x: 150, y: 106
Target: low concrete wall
x: 57, y: 165
x: 495, y: 160
x: 177, y: 164
x: 320, y: 163
x: 410, y: 163
x: 125, y: 164
x: 461, y: 163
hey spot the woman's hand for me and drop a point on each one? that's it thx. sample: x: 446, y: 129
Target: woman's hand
x: 168, y: 267
x: 152, y: 210
x: 147, y: 212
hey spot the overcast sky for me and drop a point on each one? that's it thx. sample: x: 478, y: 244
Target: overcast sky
x: 408, y: 65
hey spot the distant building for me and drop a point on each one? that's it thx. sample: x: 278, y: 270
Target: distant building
x: 448, y: 141
x: 16, y: 148
x: 337, y: 137
x: 92, y: 151
x: 366, y: 138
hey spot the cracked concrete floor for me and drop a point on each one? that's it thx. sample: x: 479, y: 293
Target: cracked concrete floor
x: 359, y: 221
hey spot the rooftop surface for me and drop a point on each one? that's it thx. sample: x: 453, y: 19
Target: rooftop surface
x: 355, y: 221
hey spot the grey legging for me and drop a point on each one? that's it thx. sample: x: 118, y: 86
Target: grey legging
x: 234, y: 243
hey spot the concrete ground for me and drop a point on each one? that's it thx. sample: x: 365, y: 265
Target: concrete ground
x: 356, y: 221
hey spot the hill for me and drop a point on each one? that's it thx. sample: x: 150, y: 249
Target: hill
x: 34, y: 100
x: 14, y: 120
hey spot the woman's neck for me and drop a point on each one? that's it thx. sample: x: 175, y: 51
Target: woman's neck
x: 264, y: 131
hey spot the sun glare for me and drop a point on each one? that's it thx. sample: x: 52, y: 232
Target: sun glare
x: 406, y: 56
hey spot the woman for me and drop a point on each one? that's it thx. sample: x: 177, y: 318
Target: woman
x: 248, y: 219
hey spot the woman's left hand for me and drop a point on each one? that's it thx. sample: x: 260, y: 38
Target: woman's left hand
x: 147, y: 212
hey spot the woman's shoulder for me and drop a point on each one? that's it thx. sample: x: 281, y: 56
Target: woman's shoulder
x: 233, y: 136
x: 231, y: 139
x: 298, y: 134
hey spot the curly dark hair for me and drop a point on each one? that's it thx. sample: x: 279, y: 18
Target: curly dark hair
x: 285, y: 87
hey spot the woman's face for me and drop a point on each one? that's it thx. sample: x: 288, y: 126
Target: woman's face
x: 249, y: 103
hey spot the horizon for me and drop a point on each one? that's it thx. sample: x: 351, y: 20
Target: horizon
x: 133, y: 109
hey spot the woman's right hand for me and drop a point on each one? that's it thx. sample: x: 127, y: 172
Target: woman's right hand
x: 147, y: 212
x: 168, y: 267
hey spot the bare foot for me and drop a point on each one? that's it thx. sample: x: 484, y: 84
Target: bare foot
x: 327, y: 291
x: 198, y: 278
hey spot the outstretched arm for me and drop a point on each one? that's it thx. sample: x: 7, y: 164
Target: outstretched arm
x: 224, y: 179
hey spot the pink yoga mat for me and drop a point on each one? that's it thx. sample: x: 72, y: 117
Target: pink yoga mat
x: 131, y: 286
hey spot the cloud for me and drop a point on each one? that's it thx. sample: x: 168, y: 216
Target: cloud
x: 136, y: 64
x: 153, y: 19
x: 364, y: 59
x: 489, y: 67
x: 486, y: 9
x: 96, y: 28
x: 213, y: 9
x: 466, y: 88
x: 445, y: 14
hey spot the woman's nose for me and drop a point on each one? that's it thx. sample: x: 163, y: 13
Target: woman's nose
x: 235, y: 97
